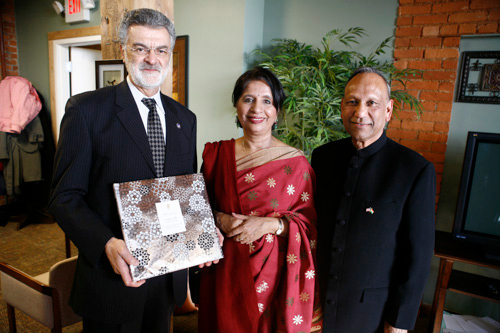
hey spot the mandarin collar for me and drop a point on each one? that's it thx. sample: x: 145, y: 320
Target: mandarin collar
x: 371, y: 149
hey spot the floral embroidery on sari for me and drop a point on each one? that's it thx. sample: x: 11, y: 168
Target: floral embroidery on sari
x: 278, y: 182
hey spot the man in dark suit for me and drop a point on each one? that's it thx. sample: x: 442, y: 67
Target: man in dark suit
x: 375, y: 204
x: 108, y: 136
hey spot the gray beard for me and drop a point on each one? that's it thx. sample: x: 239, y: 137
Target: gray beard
x: 139, y: 79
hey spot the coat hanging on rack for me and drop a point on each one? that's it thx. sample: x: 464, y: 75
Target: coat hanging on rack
x: 21, y: 133
x: 20, y: 104
x: 21, y: 158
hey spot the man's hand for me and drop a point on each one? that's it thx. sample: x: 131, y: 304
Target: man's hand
x: 389, y: 329
x: 120, y: 258
x: 227, y: 222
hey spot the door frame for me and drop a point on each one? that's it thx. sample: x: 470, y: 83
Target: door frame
x: 59, y: 43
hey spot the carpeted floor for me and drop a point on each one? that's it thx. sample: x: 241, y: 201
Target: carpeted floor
x: 34, y: 249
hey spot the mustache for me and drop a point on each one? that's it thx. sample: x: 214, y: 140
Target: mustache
x: 360, y: 121
x: 156, y: 67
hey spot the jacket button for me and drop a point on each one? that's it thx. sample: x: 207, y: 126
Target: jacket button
x: 341, y: 222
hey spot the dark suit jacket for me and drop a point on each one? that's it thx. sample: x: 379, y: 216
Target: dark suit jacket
x: 375, y: 233
x: 103, y: 141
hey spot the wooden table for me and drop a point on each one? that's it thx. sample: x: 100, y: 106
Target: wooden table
x: 450, y: 251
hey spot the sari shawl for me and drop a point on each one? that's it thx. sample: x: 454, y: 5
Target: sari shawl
x: 269, y: 285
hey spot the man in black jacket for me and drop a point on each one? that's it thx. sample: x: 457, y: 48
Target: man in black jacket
x: 107, y: 137
x: 375, y: 204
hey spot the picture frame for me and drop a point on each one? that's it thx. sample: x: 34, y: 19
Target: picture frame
x: 109, y: 73
x: 479, y: 77
x: 180, y: 70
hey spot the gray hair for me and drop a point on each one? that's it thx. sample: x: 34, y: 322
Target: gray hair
x: 362, y: 70
x: 145, y: 17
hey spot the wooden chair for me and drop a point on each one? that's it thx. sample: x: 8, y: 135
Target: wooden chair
x: 43, y: 297
x: 67, y: 244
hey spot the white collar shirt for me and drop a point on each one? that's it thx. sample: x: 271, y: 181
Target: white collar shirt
x: 143, y: 109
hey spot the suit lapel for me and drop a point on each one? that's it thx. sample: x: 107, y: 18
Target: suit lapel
x: 128, y: 114
x: 174, y: 131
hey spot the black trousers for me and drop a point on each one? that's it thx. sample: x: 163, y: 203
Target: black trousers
x: 155, y: 316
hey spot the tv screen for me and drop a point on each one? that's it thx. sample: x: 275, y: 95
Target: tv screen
x: 477, y: 217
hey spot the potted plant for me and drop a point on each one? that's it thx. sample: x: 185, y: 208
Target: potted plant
x: 314, y: 80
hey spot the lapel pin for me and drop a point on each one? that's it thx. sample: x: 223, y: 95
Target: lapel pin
x: 178, y: 126
x: 370, y: 210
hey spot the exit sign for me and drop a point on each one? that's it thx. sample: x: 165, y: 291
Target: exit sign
x: 75, y: 11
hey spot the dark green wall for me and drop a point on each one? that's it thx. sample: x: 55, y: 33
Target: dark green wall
x: 34, y: 20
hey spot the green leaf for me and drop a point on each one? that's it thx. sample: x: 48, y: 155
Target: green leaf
x: 314, y: 80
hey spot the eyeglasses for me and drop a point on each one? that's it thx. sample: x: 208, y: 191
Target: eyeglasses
x: 161, y: 52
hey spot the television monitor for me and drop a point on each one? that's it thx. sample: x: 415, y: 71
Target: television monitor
x: 477, y: 217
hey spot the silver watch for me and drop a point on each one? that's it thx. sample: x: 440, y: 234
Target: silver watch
x: 280, y: 228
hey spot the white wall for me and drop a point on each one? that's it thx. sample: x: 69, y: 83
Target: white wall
x: 223, y: 32
x: 215, y: 30
x: 309, y: 21
x: 254, y: 30
x: 83, y: 69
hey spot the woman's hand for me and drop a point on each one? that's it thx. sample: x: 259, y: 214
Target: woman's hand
x: 246, y: 229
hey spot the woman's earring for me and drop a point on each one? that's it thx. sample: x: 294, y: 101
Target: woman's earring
x: 275, y: 125
x: 238, y: 124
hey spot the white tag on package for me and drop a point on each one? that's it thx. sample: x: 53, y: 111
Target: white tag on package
x: 170, y: 217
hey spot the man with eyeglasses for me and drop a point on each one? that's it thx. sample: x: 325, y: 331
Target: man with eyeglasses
x: 121, y: 133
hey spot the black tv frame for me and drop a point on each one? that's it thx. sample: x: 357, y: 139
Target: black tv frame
x: 489, y: 243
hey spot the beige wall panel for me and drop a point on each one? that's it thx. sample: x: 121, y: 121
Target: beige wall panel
x: 111, y: 13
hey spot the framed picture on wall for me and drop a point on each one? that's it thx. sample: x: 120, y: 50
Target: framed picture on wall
x: 180, y: 70
x: 480, y: 77
x: 109, y: 73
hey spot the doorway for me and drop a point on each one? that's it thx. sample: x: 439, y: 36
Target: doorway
x: 72, y: 55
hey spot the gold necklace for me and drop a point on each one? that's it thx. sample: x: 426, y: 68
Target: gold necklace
x: 248, y: 151
x: 244, y: 145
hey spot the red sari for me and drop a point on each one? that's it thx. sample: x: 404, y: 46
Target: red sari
x: 269, y: 285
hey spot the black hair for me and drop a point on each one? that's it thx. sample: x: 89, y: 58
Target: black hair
x: 260, y: 74
x: 362, y: 70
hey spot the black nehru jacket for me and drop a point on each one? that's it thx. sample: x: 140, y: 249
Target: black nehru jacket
x: 376, y: 233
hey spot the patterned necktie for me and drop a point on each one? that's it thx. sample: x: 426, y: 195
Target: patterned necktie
x: 155, y: 136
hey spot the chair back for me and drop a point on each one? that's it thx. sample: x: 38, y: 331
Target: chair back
x: 34, y: 295
x: 24, y: 293
x: 61, y: 277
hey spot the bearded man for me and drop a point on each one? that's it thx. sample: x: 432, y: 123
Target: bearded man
x: 116, y: 134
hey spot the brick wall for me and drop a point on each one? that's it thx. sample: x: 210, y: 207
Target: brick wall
x: 9, y: 41
x: 428, y: 38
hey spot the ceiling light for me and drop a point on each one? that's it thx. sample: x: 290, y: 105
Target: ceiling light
x: 58, y: 7
x: 88, y: 4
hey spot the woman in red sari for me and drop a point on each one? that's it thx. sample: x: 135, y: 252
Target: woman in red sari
x: 261, y: 191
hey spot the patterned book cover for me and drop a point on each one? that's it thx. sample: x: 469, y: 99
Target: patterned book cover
x: 167, y: 224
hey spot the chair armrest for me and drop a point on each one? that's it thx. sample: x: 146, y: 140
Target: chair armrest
x: 34, y: 298
x: 26, y: 279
